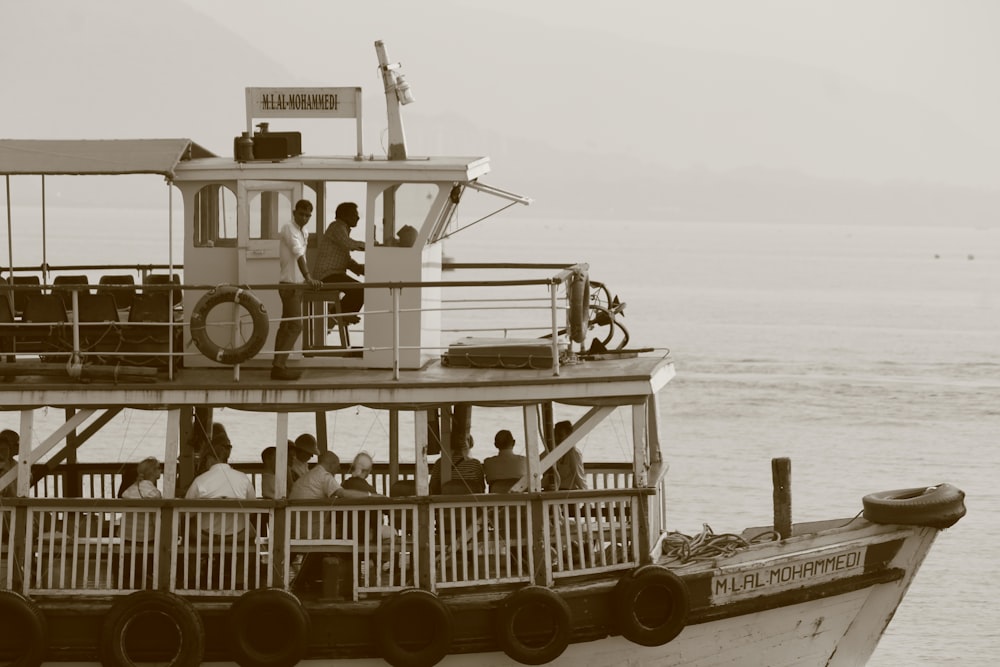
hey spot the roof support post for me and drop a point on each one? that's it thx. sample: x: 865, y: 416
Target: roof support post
x: 27, y: 435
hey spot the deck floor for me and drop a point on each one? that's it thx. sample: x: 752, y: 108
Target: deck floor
x: 584, y: 382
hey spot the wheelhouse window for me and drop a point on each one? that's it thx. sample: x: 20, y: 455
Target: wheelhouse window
x: 215, y: 217
x: 267, y: 210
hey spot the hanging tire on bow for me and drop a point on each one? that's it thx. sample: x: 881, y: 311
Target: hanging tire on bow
x: 533, y: 625
x: 23, y: 641
x: 225, y: 354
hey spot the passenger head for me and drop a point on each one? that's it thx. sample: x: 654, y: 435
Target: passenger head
x: 562, y: 430
x: 348, y: 212
x: 11, y: 440
x: 305, y: 447
x: 330, y: 461
x: 407, y: 236
x: 148, y: 469
x: 460, y: 449
x: 504, y: 440
x: 268, y: 456
x: 362, y: 465
x: 220, y: 448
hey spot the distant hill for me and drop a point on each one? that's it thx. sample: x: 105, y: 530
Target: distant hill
x: 706, y: 136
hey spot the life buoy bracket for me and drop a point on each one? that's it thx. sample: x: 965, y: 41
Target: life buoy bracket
x: 537, y: 608
x: 579, y: 306
x: 938, y: 506
x: 269, y: 628
x: 199, y: 325
x: 651, y: 604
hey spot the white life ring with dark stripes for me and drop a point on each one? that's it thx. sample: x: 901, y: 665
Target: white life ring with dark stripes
x: 224, y: 354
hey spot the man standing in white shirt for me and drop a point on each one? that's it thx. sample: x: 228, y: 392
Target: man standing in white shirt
x: 294, y: 271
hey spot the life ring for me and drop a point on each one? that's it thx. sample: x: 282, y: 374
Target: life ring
x: 651, y: 604
x: 936, y: 506
x: 579, y: 306
x: 199, y: 325
x: 152, y: 625
x: 539, y: 608
x: 22, y: 620
x: 413, y: 628
x: 269, y: 628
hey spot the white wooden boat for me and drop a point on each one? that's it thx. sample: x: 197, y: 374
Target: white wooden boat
x: 572, y: 577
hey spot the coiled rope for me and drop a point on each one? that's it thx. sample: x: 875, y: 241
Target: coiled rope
x: 680, y: 548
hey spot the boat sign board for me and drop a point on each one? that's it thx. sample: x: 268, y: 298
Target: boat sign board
x: 805, y: 569
x: 305, y: 103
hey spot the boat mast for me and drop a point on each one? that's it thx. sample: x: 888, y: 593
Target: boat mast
x: 397, y: 93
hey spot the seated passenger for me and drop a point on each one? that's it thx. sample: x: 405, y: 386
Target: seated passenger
x: 361, y: 467
x: 466, y: 472
x: 320, y: 484
x: 506, y: 468
x: 10, y: 444
x: 570, y: 468
x: 299, y: 452
x: 134, y: 525
x: 220, y: 480
x: 268, y: 457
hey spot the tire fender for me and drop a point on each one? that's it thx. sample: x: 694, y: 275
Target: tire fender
x: 651, y: 604
x: 20, y: 617
x: 125, y: 621
x: 413, y: 609
x: 538, y: 600
x: 269, y: 628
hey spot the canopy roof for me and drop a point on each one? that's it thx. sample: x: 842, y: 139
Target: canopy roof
x: 98, y: 156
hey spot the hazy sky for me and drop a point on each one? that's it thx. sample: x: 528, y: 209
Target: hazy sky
x: 944, y: 53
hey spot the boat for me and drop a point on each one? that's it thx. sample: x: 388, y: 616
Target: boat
x: 529, y: 573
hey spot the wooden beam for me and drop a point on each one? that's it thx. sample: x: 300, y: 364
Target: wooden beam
x: 28, y: 456
x: 531, y: 449
x: 640, y: 455
x: 171, y: 452
x: 281, y: 456
x: 420, y: 446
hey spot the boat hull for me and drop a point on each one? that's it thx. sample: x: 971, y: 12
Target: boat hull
x: 750, y: 609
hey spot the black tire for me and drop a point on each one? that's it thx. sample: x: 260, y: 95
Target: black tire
x: 199, y: 320
x: 579, y: 307
x: 651, y: 605
x: 167, y: 625
x: 538, y: 608
x: 413, y: 628
x: 938, y: 506
x: 23, y: 631
x: 269, y: 628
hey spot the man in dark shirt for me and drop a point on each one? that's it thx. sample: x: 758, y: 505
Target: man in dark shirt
x: 335, y: 260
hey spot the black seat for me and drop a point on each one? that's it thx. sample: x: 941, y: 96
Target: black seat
x: 99, y: 330
x: 123, y: 298
x: 6, y: 318
x: 21, y: 296
x: 166, y: 279
x: 141, y: 334
x: 49, y: 332
x: 65, y: 294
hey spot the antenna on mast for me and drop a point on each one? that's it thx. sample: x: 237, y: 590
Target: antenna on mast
x: 397, y: 93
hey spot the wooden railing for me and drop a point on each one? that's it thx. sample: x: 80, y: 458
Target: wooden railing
x: 8, y: 528
x: 227, y: 547
x: 103, y: 480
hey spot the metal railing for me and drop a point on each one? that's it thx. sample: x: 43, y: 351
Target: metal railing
x: 84, y: 337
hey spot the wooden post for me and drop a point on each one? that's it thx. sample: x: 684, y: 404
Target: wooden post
x: 781, y: 478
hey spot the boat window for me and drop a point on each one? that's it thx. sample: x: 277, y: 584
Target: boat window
x: 401, y: 205
x: 214, y: 217
x: 267, y: 210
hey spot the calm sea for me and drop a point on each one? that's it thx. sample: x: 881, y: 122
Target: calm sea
x: 869, y: 355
